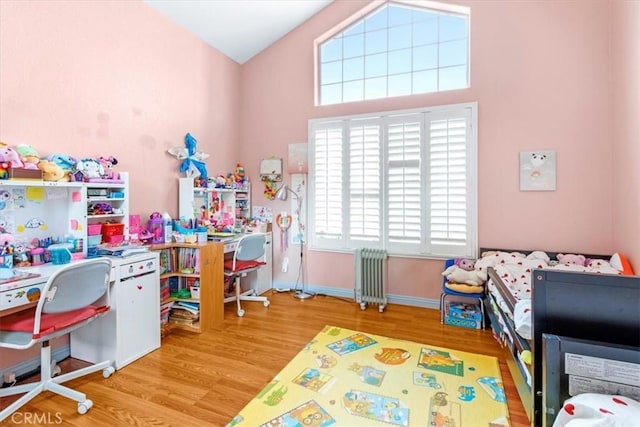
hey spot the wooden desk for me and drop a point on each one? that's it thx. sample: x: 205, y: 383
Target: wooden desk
x: 210, y: 274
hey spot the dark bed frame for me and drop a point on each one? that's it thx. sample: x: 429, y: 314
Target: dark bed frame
x: 570, y: 304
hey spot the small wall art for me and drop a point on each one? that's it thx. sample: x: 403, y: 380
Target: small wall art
x: 537, y: 171
x: 298, y: 159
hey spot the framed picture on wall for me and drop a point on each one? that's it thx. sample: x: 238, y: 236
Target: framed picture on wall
x: 537, y: 171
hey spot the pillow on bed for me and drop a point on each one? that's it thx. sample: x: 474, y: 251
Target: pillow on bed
x: 603, y: 410
x: 620, y: 262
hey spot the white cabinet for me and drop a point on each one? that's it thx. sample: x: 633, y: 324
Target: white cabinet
x: 218, y: 205
x: 131, y: 329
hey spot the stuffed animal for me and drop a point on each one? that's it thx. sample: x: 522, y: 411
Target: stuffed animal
x: 52, y: 172
x: 464, y: 263
x: 65, y: 161
x: 571, y: 259
x: 456, y: 274
x: 10, y: 155
x: 90, y: 168
x: 28, y: 155
x: 107, y: 164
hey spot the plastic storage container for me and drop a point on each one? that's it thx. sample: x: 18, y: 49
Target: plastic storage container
x: 60, y: 253
x: 112, y: 229
x: 94, y: 229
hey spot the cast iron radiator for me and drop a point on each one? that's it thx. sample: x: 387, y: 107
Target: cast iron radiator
x: 371, y: 277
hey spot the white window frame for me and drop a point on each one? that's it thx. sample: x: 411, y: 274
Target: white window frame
x: 431, y: 6
x: 426, y: 247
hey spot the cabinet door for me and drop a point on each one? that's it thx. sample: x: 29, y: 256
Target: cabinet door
x: 138, y: 317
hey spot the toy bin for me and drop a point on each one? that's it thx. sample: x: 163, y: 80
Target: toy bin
x: 112, y: 229
x: 94, y: 240
x: 60, y: 253
x: 94, y: 229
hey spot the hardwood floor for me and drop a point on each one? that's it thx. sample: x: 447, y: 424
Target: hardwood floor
x: 205, y: 379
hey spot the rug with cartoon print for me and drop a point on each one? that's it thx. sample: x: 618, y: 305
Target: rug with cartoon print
x: 348, y: 378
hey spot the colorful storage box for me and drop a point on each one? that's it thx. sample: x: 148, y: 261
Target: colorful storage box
x: 112, y: 229
x: 117, y: 238
x: 94, y: 229
x: 463, y: 314
x: 94, y: 240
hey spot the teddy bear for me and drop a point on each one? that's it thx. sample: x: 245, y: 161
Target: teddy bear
x: 465, y: 263
x: 456, y: 274
x: 52, y: 172
x: 571, y: 259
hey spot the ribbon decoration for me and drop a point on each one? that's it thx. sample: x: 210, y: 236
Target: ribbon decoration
x: 283, y: 221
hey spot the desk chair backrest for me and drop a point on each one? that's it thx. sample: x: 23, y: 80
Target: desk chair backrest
x: 75, y: 286
x: 250, y: 248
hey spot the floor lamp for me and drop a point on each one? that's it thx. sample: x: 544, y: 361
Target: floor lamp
x: 282, y: 194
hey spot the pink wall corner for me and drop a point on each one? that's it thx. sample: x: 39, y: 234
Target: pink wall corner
x: 116, y: 78
x: 625, y: 139
x: 540, y: 74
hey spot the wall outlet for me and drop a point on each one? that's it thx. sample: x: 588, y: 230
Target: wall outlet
x: 285, y: 264
x: 9, y: 377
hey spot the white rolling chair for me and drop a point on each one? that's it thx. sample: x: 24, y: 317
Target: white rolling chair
x: 73, y: 296
x: 249, y: 251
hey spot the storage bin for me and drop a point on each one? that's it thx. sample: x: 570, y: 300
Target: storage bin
x: 117, y: 238
x: 195, y: 292
x: 111, y: 229
x: 60, y: 253
x: 94, y: 240
x: 94, y: 229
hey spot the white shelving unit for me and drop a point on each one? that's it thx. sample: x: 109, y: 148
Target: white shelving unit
x: 223, y: 204
x: 35, y: 209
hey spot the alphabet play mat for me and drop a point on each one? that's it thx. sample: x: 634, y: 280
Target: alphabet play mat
x: 348, y: 378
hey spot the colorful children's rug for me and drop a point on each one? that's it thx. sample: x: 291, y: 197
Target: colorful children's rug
x: 349, y: 378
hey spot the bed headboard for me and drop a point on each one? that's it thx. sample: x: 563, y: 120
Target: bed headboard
x: 597, y: 307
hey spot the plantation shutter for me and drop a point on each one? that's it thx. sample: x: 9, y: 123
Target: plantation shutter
x: 450, y: 219
x: 365, y: 183
x: 404, y: 193
x: 327, y: 185
x: 403, y: 181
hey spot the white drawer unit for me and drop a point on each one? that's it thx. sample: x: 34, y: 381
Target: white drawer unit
x: 131, y: 328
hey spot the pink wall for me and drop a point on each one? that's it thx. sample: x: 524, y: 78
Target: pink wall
x: 98, y: 78
x: 541, y: 77
x: 625, y: 63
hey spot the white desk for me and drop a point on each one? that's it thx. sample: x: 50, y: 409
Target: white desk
x: 130, y: 330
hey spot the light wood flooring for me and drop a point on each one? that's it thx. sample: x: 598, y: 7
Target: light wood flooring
x: 206, y: 379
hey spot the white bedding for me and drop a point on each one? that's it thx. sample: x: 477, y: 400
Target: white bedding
x: 514, y: 269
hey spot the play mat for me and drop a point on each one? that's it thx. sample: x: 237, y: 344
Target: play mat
x: 347, y: 378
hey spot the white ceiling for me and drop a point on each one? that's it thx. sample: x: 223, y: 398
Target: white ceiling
x: 239, y: 28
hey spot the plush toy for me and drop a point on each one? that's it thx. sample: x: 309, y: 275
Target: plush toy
x: 464, y: 263
x: 65, y: 161
x: 107, y: 164
x: 10, y: 155
x: 52, y: 172
x: 29, y: 156
x: 571, y: 259
x: 90, y: 168
x: 192, y: 161
x: 456, y: 274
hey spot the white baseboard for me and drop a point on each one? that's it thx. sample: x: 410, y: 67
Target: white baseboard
x: 349, y: 293
x: 33, y: 364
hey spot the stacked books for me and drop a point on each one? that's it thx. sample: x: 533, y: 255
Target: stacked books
x: 185, y: 312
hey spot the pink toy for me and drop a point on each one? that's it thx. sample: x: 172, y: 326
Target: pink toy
x: 107, y: 164
x: 571, y: 259
x: 10, y: 155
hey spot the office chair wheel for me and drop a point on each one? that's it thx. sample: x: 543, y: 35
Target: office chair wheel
x: 363, y: 306
x: 240, y: 313
x: 108, y: 371
x: 55, y: 369
x: 83, y: 407
x: 266, y: 303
